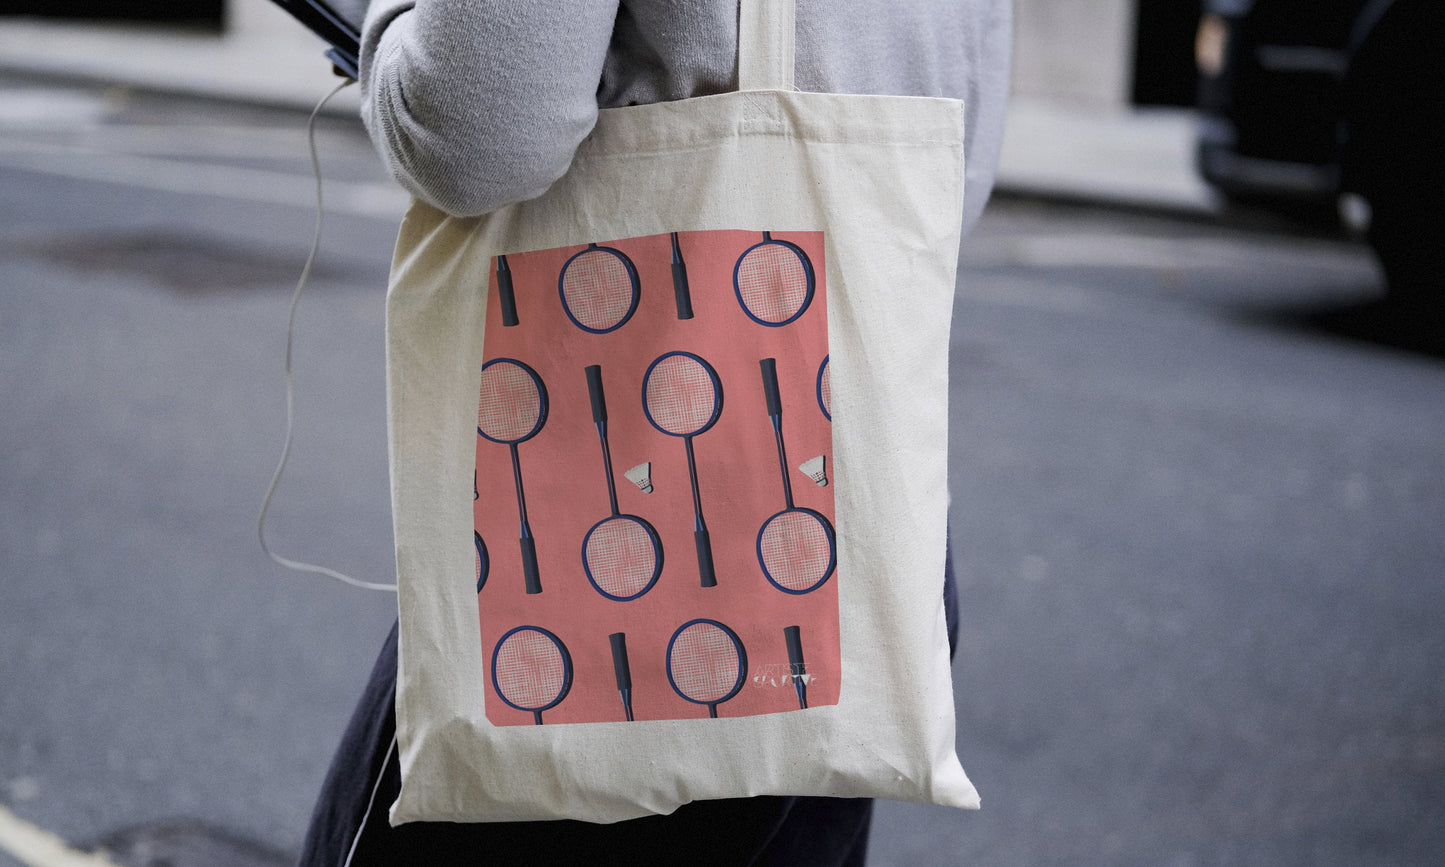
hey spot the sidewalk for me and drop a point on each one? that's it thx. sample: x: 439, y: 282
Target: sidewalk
x: 1140, y: 159
x: 1131, y: 158
x: 264, y: 57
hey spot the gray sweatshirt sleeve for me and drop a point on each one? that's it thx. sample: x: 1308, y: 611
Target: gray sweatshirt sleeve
x: 474, y: 104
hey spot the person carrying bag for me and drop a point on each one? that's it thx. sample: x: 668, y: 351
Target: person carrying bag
x: 695, y: 598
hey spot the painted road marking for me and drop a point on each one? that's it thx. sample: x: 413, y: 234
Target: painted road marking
x: 36, y: 847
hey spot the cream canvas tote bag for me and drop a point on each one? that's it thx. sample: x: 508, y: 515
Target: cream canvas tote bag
x: 668, y: 462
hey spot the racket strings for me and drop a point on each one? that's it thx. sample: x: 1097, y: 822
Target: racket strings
x: 510, y: 403
x: 825, y: 388
x: 705, y: 663
x: 681, y: 396
x: 794, y: 549
x: 621, y: 557
x: 598, y: 289
x: 530, y: 670
x: 772, y: 282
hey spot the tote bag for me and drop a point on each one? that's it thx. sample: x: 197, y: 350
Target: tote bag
x: 668, y: 462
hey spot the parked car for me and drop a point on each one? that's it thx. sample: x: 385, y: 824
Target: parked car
x: 1303, y: 101
x: 1271, y: 81
x: 1393, y: 147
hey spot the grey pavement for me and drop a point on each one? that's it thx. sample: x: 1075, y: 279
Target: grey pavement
x: 156, y: 667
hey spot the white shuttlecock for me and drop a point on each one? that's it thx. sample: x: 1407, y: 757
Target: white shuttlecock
x: 815, y: 470
x: 641, y: 476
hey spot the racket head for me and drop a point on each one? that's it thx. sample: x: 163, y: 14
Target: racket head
x: 825, y: 388
x: 512, y: 406
x: 681, y: 394
x: 797, y: 550
x: 483, y: 563
x: 622, y: 556
x: 773, y: 281
x: 599, y: 289
x: 706, y: 662
x: 531, y: 669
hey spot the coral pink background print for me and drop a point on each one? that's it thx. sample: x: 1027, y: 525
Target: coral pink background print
x: 739, y: 483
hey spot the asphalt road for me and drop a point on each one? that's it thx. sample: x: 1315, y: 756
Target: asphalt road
x: 1199, y: 541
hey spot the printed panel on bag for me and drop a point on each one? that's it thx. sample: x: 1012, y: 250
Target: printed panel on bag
x: 654, y: 524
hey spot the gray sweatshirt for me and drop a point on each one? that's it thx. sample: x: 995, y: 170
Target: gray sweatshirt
x: 475, y: 104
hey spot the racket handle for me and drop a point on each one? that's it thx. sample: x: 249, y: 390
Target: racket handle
x: 680, y: 289
x: 796, y: 666
x: 619, y: 660
x: 504, y: 292
x: 529, y: 565
x: 622, y: 670
x: 594, y: 389
x: 770, y: 386
x: 704, y: 557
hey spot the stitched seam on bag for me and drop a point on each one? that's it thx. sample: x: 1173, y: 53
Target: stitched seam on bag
x: 687, y: 149
x: 609, y: 142
x: 947, y: 141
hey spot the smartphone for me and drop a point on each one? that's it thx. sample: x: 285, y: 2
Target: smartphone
x: 336, y: 21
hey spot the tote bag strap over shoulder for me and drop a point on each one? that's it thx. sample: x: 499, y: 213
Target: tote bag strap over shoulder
x: 766, y: 36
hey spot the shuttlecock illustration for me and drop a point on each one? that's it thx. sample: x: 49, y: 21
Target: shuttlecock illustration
x: 814, y: 468
x: 641, y: 476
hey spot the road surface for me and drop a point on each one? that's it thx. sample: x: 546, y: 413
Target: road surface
x: 1200, y: 543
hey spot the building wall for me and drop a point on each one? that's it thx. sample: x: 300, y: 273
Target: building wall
x: 1074, y: 51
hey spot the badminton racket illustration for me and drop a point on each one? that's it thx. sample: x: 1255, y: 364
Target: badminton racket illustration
x: 531, y: 670
x: 825, y: 389
x: 621, y: 554
x: 773, y: 281
x: 483, y: 562
x: 599, y: 289
x: 795, y: 546
x: 512, y: 409
x: 504, y: 292
x: 622, y: 670
x: 682, y: 397
x: 706, y: 663
x: 679, y: 281
x: 797, y: 669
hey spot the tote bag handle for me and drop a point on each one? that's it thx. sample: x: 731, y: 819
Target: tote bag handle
x: 766, y: 36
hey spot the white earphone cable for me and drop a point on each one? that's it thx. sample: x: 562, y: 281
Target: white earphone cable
x: 290, y: 388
